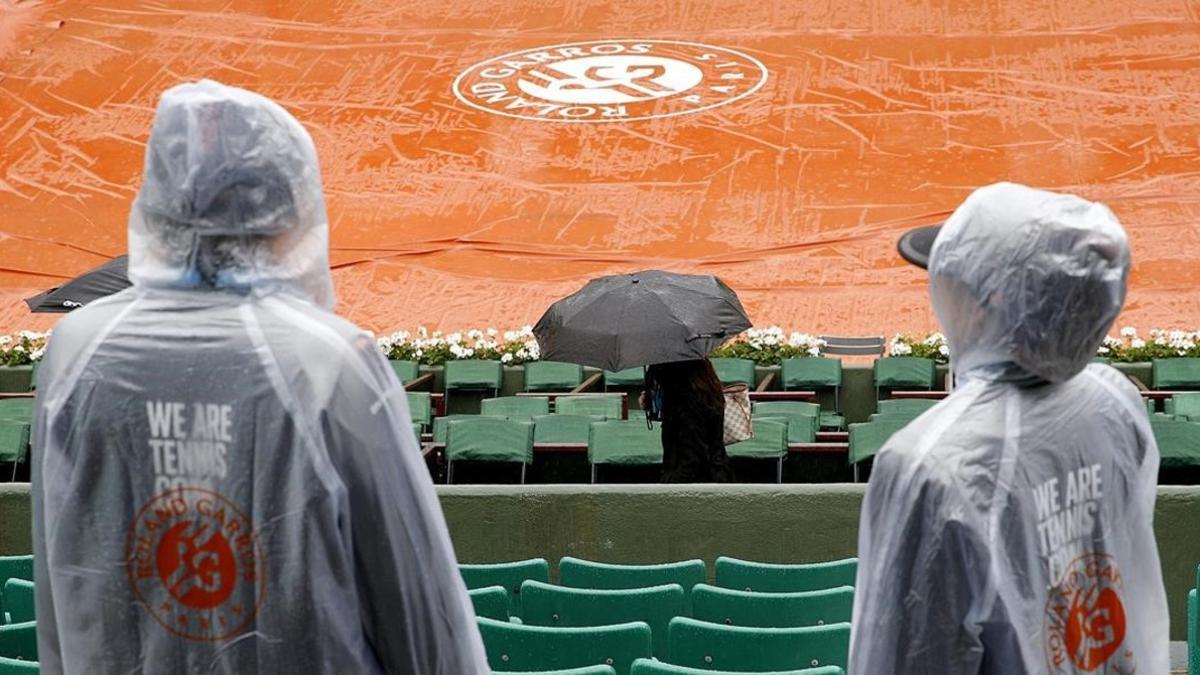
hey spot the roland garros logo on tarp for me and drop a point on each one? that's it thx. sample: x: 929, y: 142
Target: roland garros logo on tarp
x: 610, y: 81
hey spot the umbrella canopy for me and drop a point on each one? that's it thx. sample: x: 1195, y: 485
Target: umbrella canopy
x: 109, y: 278
x: 639, y: 319
x: 916, y: 245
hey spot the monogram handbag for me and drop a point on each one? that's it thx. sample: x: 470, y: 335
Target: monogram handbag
x: 738, y: 427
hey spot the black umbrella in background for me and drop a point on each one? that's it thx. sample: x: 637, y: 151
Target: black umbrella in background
x: 109, y: 278
x: 640, y: 319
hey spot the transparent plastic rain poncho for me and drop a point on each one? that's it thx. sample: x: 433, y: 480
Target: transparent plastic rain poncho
x: 225, y: 475
x: 1009, y: 529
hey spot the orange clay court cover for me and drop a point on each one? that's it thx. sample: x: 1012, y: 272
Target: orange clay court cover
x: 482, y: 158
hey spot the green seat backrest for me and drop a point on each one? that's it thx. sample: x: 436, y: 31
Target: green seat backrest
x: 18, y: 600
x: 802, y: 427
x: 508, y: 575
x: 772, y: 610
x: 420, y: 407
x: 1185, y: 405
x: 1176, y: 373
x: 406, y: 371
x: 734, y: 371
x: 563, y: 606
x: 746, y: 575
x: 587, y: 670
x: 1193, y: 632
x: 17, y: 409
x: 624, y: 442
x: 900, y: 417
x: 608, y: 407
x: 905, y: 371
x: 770, y: 439
x: 867, y: 438
x: 18, y: 667
x: 13, y: 567
x: 19, y: 641
x: 786, y: 408
x: 700, y: 644
x: 490, y: 439
x: 515, y: 407
x: 473, y: 374
x: 912, y: 407
x: 630, y: 377
x: 14, y: 440
x: 1178, y: 441
x: 811, y: 373
x: 490, y: 602
x: 832, y: 420
x: 552, y: 376
x: 563, y: 428
x: 652, y: 667
x: 579, y: 573
x: 442, y: 424
x: 522, y: 648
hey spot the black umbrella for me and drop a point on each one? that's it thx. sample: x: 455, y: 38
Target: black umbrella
x: 109, y: 278
x: 916, y: 245
x: 628, y: 320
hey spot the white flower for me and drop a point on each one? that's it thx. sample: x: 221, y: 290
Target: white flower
x: 814, y: 351
x: 474, y: 334
x: 944, y: 350
x: 38, y: 353
x: 492, y: 332
x: 5, y: 340
x: 1129, y: 331
x: 900, y: 349
x: 1102, y: 350
x: 1137, y: 343
x: 507, y: 358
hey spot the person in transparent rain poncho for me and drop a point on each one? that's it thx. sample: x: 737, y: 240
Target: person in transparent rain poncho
x: 225, y: 477
x: 1009, y: 529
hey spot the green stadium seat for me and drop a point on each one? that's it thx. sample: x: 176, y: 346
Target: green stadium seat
x: 814, y: 373
x: 588, y: 670
x: 17, y: 409
x: 552, y: 376
x: 746, y: 575
x: 420, y: 408
x: 803, y: 418
x: 416, y: 429
x: 734, y: 371
x: 508, y: 575
x: 563, y: 428
x: 18, y: 667
x: 910, y: 407
x: 474, y: 374
x: 772, y: 610
x: 488, y: 439
x: 442, y: 424
x: 1185, y: 407
x: 490, y: 602
x: 19, y: 641
x: 579, y: 573
x: 563, y: 606
x: 1178, y: 441
x: 700, y: 644
x: 522, y: 648
x: 608, y: 407
x: 624, y: 442
x: 18, y: 600
x: 832, y: 421
x: 867, y: 438
x: 905, y: 372
x: 406, y: 371
x: 1180, y: 373
x: 1193, y: 632
x: 630, y: 377
x: 14, y: 441
x: 523, y: 408
x: 770, y: 441
x: 652, y: 667
x: 13, y: 567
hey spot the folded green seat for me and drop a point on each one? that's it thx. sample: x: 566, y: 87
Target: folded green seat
x: 559, y: 428
x: 561, y: 606
x: 19, y: 641
x: 624, y: 442
x: 588, y: 670
x: 608, y: 407
x: 508, y: 575
x: 868, y: 438
x: 579, y: 573
x: 18, y: 600
x: 747, y: 575
x: 515, y: 407
x: 521, y: 648
x: 734, y: 371
x: 651, y: 667
x: 489, y: 439
x: 490, y: 602
x: 18, y: 667
x: 406, y: 371
x: 904, y: 372
x: 772, y: 610
x: 769, y: 441
x: 552, y: 376
x: 13, y: 567
x: 630, y: 377
x: 699, y: 644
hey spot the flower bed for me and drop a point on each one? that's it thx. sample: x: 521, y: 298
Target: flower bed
x: 23, y: 348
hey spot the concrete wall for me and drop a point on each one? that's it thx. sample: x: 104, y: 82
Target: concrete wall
x: 655, y: 523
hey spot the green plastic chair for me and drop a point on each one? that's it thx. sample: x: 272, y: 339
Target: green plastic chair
x: 803, y: 418
x: 420, y: 408
x: 507, y: 575
x: 700, y: 644
x: 904, y: 372
x: 867, y: 438
x: 815, y: 373
x: 490, y: 602
x: 516, y: 407
x: 630, y: 377
x: 488, y: 439
x: 734, y: 371
x: 588, y: 670
x: 608, y: 407
x: 19, y: 641
x: 562, y: 606
x: 442, y: 424
x: 624, y: 442
x: 652, y: 667
x: 910, y: 407
x: 579, y: 573
x: 18, y: 600
x: 14, y: 442
x: 17, y: 409
x: 563, y: 428
x: 406, y: 371
x: 772, y: 610
x: 474, y: 374
x: 770, y: 441
x: 1180, y: 373
x: 522, y: 648
x: 552, y: 376
x: 747, y: 575
x: 18, y: 667
x: 1185, y: 407
x: 13, y: 567
x: 1178, y: 441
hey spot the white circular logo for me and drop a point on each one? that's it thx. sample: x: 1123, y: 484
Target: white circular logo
x: 610, y: 81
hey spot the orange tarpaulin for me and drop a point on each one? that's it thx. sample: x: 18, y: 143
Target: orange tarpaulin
x: 484, y: 158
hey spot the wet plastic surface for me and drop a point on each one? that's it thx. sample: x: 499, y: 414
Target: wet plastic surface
x: 875, y: 117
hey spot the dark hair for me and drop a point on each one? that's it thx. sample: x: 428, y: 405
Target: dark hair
x: 687, y: 380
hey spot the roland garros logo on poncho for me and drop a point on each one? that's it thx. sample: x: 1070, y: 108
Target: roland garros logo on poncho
x: 610, y: 81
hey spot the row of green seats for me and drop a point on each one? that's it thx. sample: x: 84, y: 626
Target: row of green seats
x: 18, y: 568
x: 16, y: 417
x: 420, y: 407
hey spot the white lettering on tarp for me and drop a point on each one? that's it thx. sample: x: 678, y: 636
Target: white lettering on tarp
x: 1066, y: 518
x: 187, y: 445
